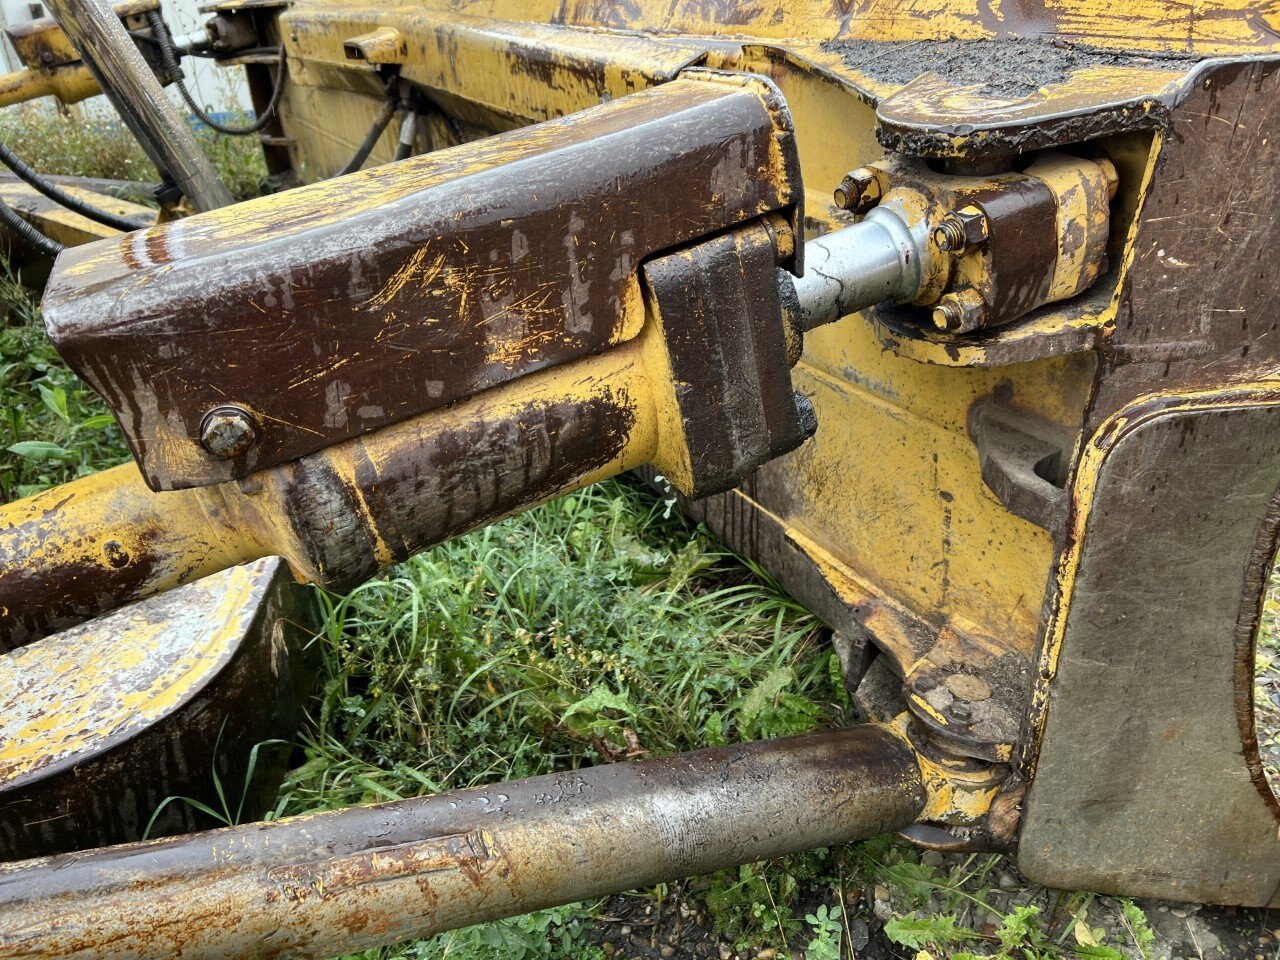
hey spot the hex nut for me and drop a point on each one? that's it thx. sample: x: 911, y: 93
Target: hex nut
x: 961, y: 311
x: 228, y: 432
x: 859, y: 191
x: 961, y: 230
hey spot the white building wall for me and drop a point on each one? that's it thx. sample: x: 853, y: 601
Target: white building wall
x: 221, y: 88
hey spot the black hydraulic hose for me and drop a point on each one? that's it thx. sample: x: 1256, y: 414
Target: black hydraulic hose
x: 389, y: 107
x: 61, y: 197
x: 10, y: 218
x: 170, y: 57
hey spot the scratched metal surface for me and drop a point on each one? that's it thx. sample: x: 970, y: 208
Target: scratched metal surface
x: 333, y: 310
x: 101, y: 723
x: 78, y: 691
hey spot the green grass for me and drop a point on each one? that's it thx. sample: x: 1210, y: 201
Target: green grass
x: 53, y: 428
x: 596, y: 628
x: 80, y: 143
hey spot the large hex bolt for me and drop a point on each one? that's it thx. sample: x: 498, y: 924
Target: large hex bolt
x: 228, y: 432
x: 961, y: 230
x: 859, y: 191
x: 961, y: 311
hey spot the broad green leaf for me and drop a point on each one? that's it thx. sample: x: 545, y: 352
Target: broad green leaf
x: 40, y: 450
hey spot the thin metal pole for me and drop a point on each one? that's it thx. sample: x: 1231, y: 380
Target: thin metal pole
x: 111, y: 56
x: 348, y: 880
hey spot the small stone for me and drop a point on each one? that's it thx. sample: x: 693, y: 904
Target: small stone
x: 1179, y: 912
x: 1007, y: 882
x: 768, y: 953
x: 725, y: 952
x: 685, y: 911
x: 965, y: 687
x: 668, y: 951
x: 608, y: 949
x: 882, y: 910
x: 859, y: 934
x: 882, y: 892
x: 625, y: 931
x: 931, y: 858
x: 852, y: 896
x: 648, y: 910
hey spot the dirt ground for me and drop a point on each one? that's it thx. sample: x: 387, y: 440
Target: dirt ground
x: 633, y: 928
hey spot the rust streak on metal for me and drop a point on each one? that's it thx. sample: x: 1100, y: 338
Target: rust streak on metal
x: 346, y: 880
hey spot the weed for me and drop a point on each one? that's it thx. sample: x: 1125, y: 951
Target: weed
x: 52, y: 425
x: 223, y: 815
x: 80, y: 142
x: 827, y: 934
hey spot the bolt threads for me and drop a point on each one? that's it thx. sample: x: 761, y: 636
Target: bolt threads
x: 961, y: 311
x: 948, y: 316
x: 859, y: 191
x: 949, y: 235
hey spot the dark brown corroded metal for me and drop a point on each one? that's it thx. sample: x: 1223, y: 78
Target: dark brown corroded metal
x: 339, y: 308
x: 396, y: 499
x: 1023, y: 461
x: 1164, y: 801
x: 1201, y: 292
x: 933, y: 117
x: 101, y: 724
x: 347, y: 880
x: 731, y: 369
x: 1178, y: 536
x: 337, y: 516
x: 1022, y: 250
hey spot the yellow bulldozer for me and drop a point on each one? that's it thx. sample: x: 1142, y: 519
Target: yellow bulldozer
x: 959, y: 317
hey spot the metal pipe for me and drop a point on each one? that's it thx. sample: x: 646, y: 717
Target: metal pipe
x: 871, y: 262
x: 349, y: 880
x: 109, y: 52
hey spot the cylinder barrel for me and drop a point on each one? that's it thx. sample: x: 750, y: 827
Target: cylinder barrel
x: 318, y: 885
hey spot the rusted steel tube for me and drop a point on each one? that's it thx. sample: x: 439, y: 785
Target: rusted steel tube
x: 112, y: 57
x: 318, y: 885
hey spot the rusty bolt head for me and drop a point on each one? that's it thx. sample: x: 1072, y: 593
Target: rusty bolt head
x: 228, y: 432
x: 806, y: 414
x: 960, y: 312
x: 961, y: 230
x: 859, y: 191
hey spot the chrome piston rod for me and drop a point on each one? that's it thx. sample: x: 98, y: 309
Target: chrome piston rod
x: 322, y: 884
x: 877, y: 260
